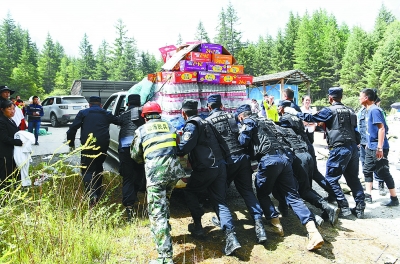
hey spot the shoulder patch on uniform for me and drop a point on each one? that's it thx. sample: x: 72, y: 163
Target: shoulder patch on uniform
x: 186, y: 136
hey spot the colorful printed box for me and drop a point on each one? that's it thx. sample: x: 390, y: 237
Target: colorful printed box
x: 211, y: 48
x: 236, y: 69
x: 208, y: 77
x: 185, y: 65
x: 167, y: 52
x: 154, y: 77
x: 198, y: 56
x: 212, y: 67
x: 243, y: 80
x: 227, y: 78
x: 222, y: 59
x: 179, y: 77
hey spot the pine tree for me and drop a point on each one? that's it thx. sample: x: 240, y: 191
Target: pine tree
x: 289, y: 38
x: 124, y: 56
x: 201, y: 33
x: 354, y: 63
x: 23, y: 77
x: 87, y: 63
x: 222, y: 30
x: 47, y: 65
x: 385, y: 67
x: 179, y: 41
x: 234, y: 35
x: 102, y: 62
x: 385, y: 17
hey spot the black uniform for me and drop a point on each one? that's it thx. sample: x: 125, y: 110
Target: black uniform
x: 133, y: 176
x: 209, y: 170
x: 93, y: 120
x: 238, y: 164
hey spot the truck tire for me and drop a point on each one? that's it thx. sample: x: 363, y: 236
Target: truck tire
x: 53, y: 120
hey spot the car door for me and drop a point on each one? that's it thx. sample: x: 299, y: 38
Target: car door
x: 46, y: 109
x: 111, y: 106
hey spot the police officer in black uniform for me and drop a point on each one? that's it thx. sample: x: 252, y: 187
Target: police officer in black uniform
x: 93, y: 120
x: 274, y: 171
x: 291, y: 121
x: 303, y: 166
x: 341, y: 123
x: 238, y: 162
x: 132, y: 173
x: 200, y: 141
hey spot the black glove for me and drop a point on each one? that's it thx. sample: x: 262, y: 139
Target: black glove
x: 18, y: 142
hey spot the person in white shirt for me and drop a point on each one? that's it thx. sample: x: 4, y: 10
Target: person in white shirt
x: 306, y: 108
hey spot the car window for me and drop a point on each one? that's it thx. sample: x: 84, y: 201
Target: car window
x: 73, y: 100
x: 48, y: 101
x: 110, y: 104
x: 121, y: 106
x: 45, y: 102
x: 58, y: 100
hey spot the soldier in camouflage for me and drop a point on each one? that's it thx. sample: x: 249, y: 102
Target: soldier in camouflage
x: 155, y: 144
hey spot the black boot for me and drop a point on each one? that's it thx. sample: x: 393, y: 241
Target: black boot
x: 344, y: 207
x: 130, y: 213
x: 368, y: 198
x: 260, y: 231
x: 331, y: 210
x: 196, y: 229
x: 232, y: 242
x: 358, y: 211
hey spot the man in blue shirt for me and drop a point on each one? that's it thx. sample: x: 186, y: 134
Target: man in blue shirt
x: 377, y: 148
x: 34, y: 112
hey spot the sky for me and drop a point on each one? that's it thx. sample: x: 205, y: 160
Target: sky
x: 157, y: 23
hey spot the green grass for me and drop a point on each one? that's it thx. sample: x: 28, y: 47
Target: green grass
x: 53, y: 223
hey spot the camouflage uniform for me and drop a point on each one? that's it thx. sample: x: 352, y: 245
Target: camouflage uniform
x: 155, y: 144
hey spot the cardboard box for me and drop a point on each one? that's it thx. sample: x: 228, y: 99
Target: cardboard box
x: 179, y: 77
x: 222, y: 59
x: 198, y: 56
x: 243, y: 80
x: 211, y: 48
x: 208, y: 77
x: 186, y: 65
x: 167, y: 52
x: 154, y: 77
x: 227, y: 78
x: 236, y: 69
x: 213, y: 67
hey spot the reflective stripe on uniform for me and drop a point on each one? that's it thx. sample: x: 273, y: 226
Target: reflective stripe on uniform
x: 159, y: 146
x: 159, y: 138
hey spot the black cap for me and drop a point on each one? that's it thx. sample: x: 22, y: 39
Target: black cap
x: 5, y: 88
x: 335, y: 92
x: 214, y: 98
x: 94, y: 99
x: 134, y: 99
x: 243, y: 108
x: 190, y: 104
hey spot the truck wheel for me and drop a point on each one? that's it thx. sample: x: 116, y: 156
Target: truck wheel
x: 54, y: 121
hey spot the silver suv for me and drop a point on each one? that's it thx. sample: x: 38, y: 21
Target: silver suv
x: 59, y: 110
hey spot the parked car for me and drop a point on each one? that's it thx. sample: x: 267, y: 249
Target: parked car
x: 59, y: 110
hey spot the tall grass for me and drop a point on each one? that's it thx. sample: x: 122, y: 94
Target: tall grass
x: 53, y: 223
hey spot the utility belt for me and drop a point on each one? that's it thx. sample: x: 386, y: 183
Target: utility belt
x: 300, y: 151
x: 347, y: 143
x: 275, y: 152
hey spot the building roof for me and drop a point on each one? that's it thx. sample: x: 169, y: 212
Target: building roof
x: 291, y: 77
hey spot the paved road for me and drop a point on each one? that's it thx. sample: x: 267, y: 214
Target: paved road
x: 54, y: 143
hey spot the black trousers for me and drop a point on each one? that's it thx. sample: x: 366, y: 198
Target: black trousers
x: 381, y: 167
x: 93, y: 173
x: 7, y: 167
x: 133, y: 177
